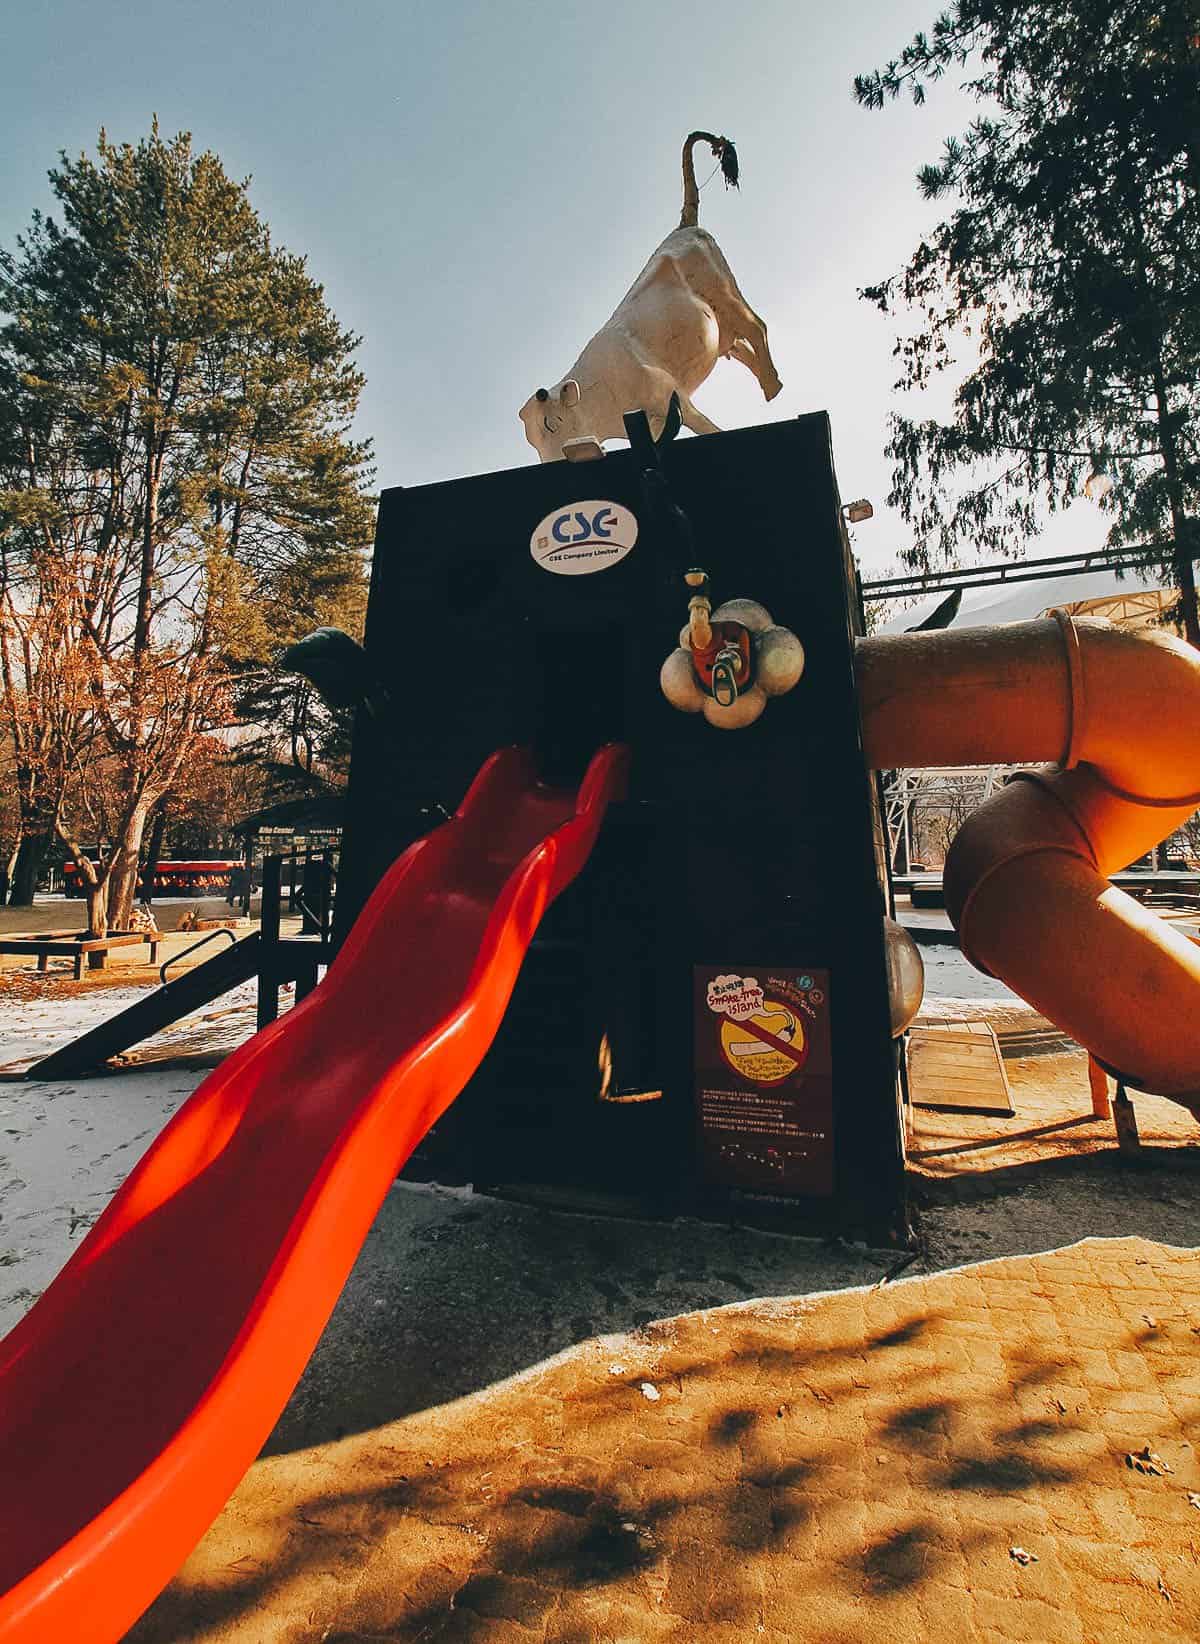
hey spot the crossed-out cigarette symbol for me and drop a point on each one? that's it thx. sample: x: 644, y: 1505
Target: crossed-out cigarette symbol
x: 772, y: 1031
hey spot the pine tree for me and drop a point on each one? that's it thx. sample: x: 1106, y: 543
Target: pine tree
x: 299, y: 744
x: 1071, y: 262
x: 175, y: 406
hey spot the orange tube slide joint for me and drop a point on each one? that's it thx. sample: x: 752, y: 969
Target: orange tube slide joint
x: 1115, y: 713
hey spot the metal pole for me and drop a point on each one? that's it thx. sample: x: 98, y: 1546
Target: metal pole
x: 248, y: 884
x: 268, y: 971
x: 908, y: 835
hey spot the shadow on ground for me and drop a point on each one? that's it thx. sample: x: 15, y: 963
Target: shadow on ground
x: 859, y: 1467
x: 452, y: 1293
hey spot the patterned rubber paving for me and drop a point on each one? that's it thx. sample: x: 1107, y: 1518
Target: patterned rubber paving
x: 942, y: 1458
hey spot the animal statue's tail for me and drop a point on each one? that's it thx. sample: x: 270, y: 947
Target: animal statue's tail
x: 724, y: 151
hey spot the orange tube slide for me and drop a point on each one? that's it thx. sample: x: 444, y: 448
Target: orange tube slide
x: 1118, y: 712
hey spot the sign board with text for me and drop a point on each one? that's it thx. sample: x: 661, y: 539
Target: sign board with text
x: 764, y: 1077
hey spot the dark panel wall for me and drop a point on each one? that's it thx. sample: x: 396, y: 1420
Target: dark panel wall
x: 747, y: 847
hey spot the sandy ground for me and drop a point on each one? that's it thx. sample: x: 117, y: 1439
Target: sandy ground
x: 64, y: 1150
x: 998, y: 1454
x: 412, y: 1491
x: 950, y: 980
x: 100, y: 1126
x: 1053, y: 1121
x: 65, y: 1147
x: 70, y: 913
x: 123, y: 966
x: 39, y: 1014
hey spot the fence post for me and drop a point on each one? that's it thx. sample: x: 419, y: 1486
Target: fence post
x: 268, y: 970
x: 326, y: 892
x: 248, y: 883
x: 311, y: 894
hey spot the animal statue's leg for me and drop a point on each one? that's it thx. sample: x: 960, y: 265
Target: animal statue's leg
x: 749, y: 329
x: 694, y: 418
x: 661, y: 388
x: 741, y: 351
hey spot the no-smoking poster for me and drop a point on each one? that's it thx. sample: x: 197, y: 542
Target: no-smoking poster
x: 764, y: 1077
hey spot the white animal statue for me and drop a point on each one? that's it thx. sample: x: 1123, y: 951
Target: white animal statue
x: 682, y: 314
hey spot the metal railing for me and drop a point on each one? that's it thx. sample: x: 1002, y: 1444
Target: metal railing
x: 209, y: 936
x: 1004, y: 571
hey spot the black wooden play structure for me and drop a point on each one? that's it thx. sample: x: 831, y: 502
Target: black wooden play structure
x: 744, y: 865
x: 751, y: 853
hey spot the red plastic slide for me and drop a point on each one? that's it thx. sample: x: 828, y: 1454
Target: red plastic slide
x: 140, y: 1387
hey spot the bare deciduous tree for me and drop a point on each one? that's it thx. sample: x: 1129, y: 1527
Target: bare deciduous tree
x: 175, y: 400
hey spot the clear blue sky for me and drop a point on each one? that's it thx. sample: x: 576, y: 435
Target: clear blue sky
x: 476, y: 182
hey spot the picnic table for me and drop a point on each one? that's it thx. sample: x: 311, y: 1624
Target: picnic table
x: 67, y: 944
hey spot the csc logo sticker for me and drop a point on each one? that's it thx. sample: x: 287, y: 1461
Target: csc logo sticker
x: 583, y: 537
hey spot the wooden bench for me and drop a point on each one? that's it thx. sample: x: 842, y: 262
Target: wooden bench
x: 74, y: 945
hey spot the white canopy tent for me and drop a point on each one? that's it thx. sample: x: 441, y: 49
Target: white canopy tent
x: 1125, y: 597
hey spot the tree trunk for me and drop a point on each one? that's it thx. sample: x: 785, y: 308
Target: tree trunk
x: 158, y: 829
x: 123, y: 889
x: 95, y: 889
x: 1185, y: 570
x: 97, y: 917
x: 27, y: 868
x: 1181, y: 525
